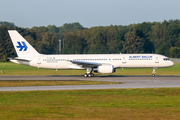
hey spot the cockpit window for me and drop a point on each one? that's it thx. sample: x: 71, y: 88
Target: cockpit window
x: 166, y: 59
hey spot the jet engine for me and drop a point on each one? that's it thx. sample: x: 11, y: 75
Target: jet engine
x: 105, y: 69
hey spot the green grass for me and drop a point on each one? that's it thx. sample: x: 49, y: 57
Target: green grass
x: 114, y: 104
x: 8, y: 83
x: 16, y: 69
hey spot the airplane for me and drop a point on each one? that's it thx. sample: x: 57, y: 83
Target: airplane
x: 93, y: 63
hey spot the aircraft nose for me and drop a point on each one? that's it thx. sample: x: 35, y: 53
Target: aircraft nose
x: 171, y: 63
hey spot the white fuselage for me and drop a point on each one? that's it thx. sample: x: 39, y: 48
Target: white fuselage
x: 117, y: 60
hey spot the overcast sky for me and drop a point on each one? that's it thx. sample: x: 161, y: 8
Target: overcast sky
x: 89, y: 13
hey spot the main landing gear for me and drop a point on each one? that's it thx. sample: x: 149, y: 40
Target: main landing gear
x: 89, y: 73
x: 154, y: 71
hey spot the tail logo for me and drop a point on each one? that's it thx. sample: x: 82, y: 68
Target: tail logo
x: 21, y: 46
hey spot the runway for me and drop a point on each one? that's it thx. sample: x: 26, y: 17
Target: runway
x: 128, y: 82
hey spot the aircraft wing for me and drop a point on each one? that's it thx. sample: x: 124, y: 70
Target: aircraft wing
x: 86, y: 64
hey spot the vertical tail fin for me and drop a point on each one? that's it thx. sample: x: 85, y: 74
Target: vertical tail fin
x: 22, y: 47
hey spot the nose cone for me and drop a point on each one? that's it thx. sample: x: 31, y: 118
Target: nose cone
x: 171, y: 63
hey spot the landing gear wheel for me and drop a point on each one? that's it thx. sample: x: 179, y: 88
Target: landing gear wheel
x: 92, y: 75
x: 153, y: 75
x: 89, y: 75
x: 85, y: 75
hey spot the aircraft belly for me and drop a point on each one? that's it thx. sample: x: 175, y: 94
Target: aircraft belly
x: 116, y: 65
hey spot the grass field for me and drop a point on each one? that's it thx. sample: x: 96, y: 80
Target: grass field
x: 114, y: 104
x: 9, y: 68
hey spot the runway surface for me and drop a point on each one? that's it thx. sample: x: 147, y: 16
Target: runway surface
x: 128, y: 82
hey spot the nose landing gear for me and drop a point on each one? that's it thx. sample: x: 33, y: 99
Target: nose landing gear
x: 154, y: 71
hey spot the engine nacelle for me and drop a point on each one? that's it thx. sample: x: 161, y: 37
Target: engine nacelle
x: 105, y: 69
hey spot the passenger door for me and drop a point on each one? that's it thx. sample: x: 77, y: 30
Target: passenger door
x: 156, y: 61
x: 124, y: 60
x: 39, y: 60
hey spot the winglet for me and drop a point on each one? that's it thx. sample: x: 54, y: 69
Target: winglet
x: 22, y: 47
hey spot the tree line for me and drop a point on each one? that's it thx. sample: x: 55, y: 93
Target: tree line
x: 157, y: 37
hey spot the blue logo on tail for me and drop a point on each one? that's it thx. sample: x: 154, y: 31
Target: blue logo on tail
x: 21, y: 46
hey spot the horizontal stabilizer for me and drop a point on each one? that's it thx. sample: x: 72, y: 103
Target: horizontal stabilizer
x: 20, y: 59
